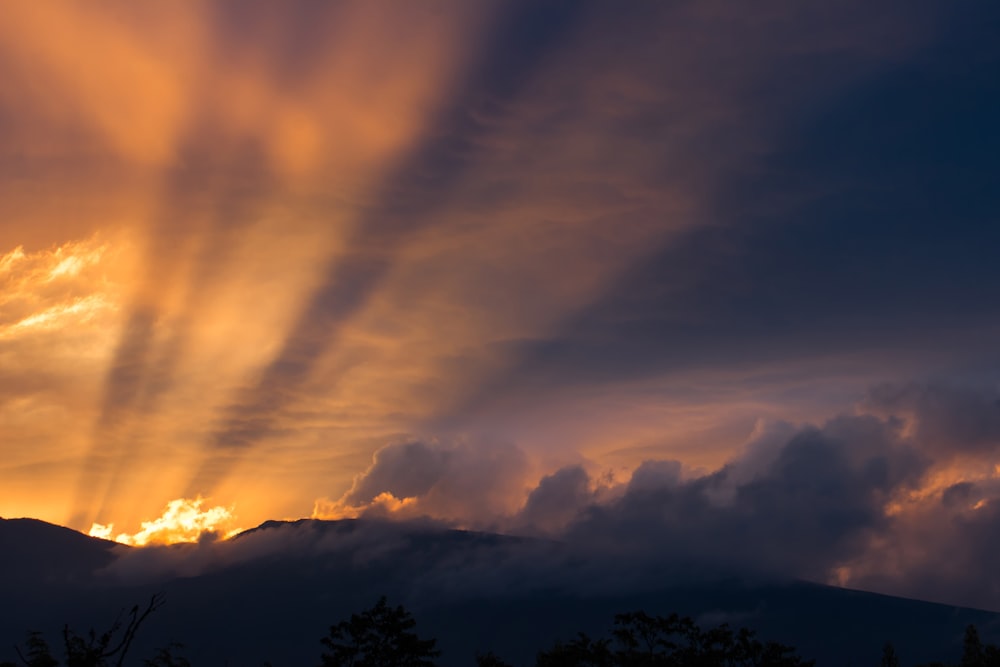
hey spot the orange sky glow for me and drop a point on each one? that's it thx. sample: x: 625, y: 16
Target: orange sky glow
x: 245, y: 261
x: 203, y: 199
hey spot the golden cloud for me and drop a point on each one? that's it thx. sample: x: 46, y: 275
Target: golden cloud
x: 183, y: 520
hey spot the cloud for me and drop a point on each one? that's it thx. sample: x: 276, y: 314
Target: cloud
x: 798, y: 502
x: 458, y: 482
x: 815, y: 505
x: 947, y: 419
x: 183, y: 520
x: 557, y: 499
x: 854, y: 501
x: 942, y: 547
x: 57, y: 306
x: 407, y: 470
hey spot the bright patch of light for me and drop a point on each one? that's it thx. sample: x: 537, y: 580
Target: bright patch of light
x: 99, y: 530
x: 383, y: 503
x: 8, y: 261
x: 183, y: 520
x: 80, y: 310
x: 67, y: 267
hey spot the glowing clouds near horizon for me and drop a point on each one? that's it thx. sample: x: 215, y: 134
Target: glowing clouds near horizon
x: 183, y: 520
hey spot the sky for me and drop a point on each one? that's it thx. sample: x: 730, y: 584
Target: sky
x: 705, y: 278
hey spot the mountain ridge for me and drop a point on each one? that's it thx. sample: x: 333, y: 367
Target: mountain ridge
x: 274, y: 590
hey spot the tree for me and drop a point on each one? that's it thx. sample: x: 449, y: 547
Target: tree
x: 580, y: 652
x: 641, y: 640
x: 488, y: 659
x: 889, y: 657
x: 647, y: 640
x: 37, y: 650
x: 92, y: 650
x: 972, y: 649
x: 378, y: 637
x: 166, y: 657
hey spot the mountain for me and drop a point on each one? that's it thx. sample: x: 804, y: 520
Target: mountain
x: 270, y: 593
x: 38, y: 552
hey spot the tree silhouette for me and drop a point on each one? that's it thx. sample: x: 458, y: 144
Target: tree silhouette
x: 166, y: 657
x: 107, y: 649
x: 490, y: 659
x: 580, y: 652
x: 977, y: 654
x: 973, y: 654
x: 641, y: 640
x: 378, y: 637
x: 37, y: 650
x: 889, y: 657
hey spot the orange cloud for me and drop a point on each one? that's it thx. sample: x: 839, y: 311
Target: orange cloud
x: 183, y: 520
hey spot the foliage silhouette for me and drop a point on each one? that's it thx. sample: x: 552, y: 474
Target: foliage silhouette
x: 972, y: 649
x: 974, y: 652
x: 105, y: 650
x: 641, y: 640
x: 378, y: 637
x: 889, y: 657
x: 38, y: 653
x: 490, y: 659
x: 165, y: 657
x: 977, y: 654
x: 383, y: 637
x: 582, y: 651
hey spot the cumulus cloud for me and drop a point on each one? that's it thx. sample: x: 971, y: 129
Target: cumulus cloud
x: 866, y: 500
x: 557, y: 500
x: 799, y: 502
x: 857, y: 500
x: 817, y: 504
x: 458, y: 482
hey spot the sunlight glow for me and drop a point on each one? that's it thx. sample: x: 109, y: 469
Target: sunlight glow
x: 384, y: 503
x: 80, y: 310
x: 183, y: 520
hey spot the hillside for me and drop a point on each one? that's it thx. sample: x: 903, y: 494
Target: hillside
x: 273, y: 591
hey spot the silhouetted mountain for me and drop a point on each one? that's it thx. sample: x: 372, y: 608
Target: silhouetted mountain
x: 271, y: 592
x: 36, y: 552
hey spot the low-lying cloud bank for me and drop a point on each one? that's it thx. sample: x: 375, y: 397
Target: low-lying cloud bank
x: 901, y: 497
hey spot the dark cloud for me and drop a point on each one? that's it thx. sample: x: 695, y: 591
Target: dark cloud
x: 948, y: 419
x: 957, y: 493
x: 464, y: 483
x: 944, y: 549
x: 557, y: 500
x: 798, y: 503
x: 815, y: 505
x: 407, y: 470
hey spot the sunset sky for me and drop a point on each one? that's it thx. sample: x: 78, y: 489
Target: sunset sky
x: 483, y: 261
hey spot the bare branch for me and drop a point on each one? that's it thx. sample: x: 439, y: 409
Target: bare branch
x: 135, y: 621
